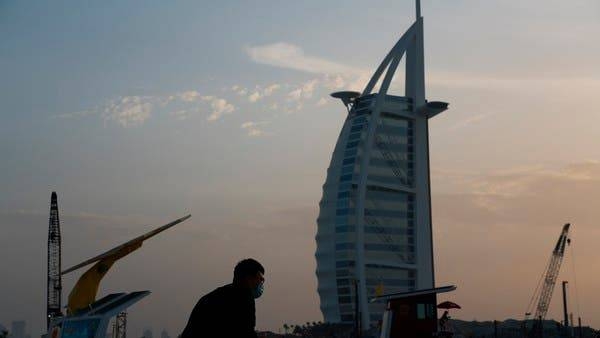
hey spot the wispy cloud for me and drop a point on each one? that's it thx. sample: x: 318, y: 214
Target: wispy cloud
x: 334, y: 75
x: 253, y: 128
x: 322, y: 101
x: 304, y: 91
x: 255, y: 96
x: 340, y: 75
x: 219, y: 107
x: 259, y: 92
x: 133, y: 111
x: 287, y: 55
x: 128, y: 111
x: 269, y: 90
x: 189, y: 96
x: 240, y: 90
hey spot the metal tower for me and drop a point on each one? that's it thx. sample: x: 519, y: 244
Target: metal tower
x: 120, y: 326
x: 54, y: 277
x: 545, y: 288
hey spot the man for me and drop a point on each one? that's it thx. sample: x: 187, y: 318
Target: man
x: 229, y: 310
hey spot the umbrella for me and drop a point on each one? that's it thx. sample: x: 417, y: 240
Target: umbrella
x: 448, y: 305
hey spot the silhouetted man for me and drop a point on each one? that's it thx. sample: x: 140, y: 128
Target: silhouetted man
x: 229, y: 310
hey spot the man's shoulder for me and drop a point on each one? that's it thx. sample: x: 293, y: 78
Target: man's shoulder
x: 218, y: 292
x: 227, y: 294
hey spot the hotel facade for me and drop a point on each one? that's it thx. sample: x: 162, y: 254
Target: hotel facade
x: 374, y: 226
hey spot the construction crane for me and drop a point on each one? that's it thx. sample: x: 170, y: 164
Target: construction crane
x: 120, y: 326
x: 543, y: 295
x: 54, y: 289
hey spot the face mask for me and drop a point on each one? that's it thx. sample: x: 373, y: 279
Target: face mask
x: 258, y: 290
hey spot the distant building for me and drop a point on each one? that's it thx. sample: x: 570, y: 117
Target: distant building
x: 18, y: 329
x: 164, y: 334
x: 374, y: 226
x: 147, y: 333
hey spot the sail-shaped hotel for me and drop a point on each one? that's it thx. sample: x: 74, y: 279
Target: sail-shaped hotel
x: 374, y: 227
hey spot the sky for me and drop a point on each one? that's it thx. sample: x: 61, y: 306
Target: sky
x: 140, y: 112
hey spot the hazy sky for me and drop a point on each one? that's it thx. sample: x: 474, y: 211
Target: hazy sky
x: 139, y: 112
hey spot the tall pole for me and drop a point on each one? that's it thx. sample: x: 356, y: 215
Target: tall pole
x: 54, y: 284
x: 565, y: 312
x: 495, y: 328
x: 357, y: 327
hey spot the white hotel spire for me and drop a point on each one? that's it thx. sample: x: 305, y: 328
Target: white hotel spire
x: 374, y: 225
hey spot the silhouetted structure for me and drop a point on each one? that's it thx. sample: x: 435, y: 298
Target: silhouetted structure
x: 543, y: 292
x: 120, y: 328
x: 54, y: 277
x: 374, y: 224
x: 511, y: 328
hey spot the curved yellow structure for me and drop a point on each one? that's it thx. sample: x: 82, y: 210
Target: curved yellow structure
x: 85, y: 290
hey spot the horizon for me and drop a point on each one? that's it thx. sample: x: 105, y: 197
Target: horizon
x: 139, y: 113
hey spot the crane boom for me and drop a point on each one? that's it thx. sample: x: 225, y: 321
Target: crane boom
x: 552, y: 273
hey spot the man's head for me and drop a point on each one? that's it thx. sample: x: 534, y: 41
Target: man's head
x: 248, y: 273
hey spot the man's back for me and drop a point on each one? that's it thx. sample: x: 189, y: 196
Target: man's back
x: 225, y: 312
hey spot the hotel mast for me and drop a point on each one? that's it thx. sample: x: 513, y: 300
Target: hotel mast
x: 374, y: 227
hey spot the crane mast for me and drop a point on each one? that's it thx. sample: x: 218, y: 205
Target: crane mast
x: 549, y: 280
x: 54, y: 278
x: 552, y: 273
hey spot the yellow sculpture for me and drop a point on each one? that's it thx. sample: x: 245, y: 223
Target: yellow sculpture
x: 85, y: 290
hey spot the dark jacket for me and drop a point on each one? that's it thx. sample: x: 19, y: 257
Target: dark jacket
x: 226, y: 312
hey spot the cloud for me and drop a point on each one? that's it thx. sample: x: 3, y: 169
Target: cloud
x: 254, y: 96
x: 322, y: 101
x: 189, y: 96
x: 128, y: 111
x: 269, y: 90
x: 501, y: 226
x: 241, y: 91
x: 534, y: 195
x: 304, y: 91
x: 253, y: 128
x: 219, y: 107
x: 333, y: 82
x: 338, y: 75
x: 260, y: 93
x: 286, y: 55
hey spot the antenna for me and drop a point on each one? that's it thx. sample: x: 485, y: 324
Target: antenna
x: 347, y: 97
x: 418, y: 8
